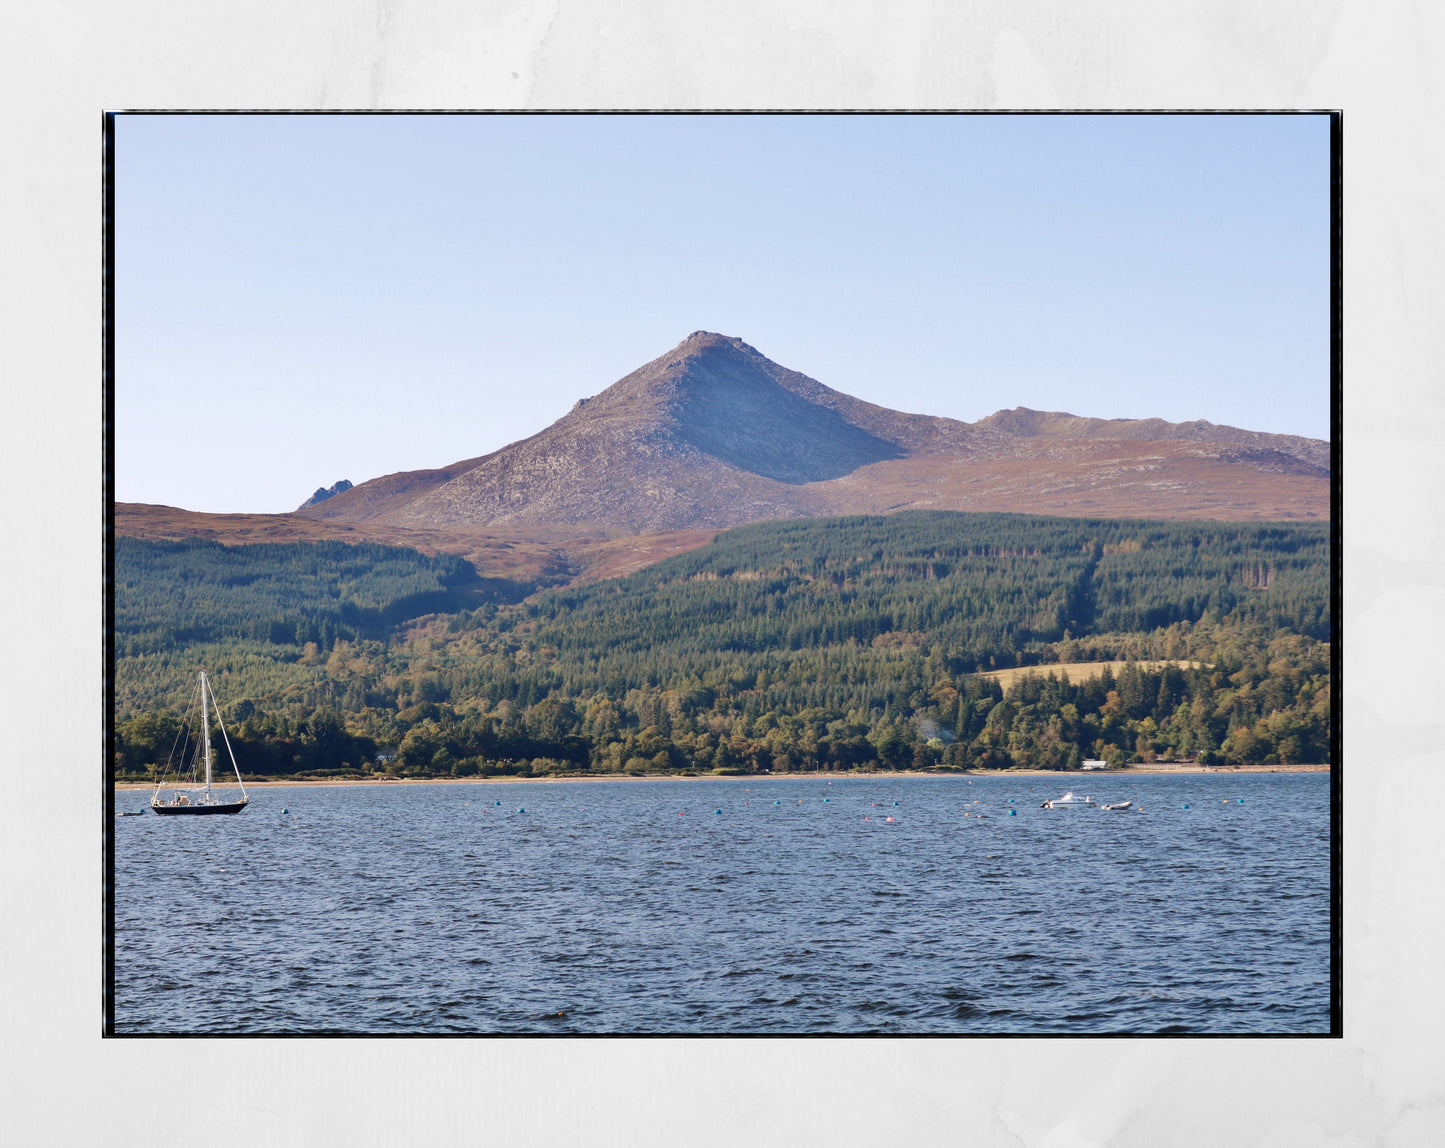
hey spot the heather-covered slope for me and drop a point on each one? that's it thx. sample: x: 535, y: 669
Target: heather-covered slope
x: 714, y: 434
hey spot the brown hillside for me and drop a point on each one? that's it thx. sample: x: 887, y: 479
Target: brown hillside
x: 381, y: 495
x: 543, y: 556
x: 1024, y: 423
x: 714, y: 434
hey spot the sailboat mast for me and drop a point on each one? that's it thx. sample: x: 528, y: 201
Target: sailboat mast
x: 206, y: 727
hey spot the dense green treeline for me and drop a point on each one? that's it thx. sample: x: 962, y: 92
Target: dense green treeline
x: 851, y: 643
x: 175, y: 594
x: 990, y: 588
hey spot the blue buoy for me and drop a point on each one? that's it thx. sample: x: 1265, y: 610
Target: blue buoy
x: 1010, y: 800
x: 496, y: 803
x: 1013, y: 812
x: 522, y: 810
x: 1184, y: 807
x: 895, y: 803
x: 826, y: 800
x: 777, y: 803
x: 1241, y: 801
x: 717, y: 811
x: 285, y: 811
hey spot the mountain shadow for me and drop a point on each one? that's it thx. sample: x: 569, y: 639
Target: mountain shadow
x: 730, y: 408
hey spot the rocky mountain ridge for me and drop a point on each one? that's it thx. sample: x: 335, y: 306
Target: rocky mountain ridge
x: 714, y: 434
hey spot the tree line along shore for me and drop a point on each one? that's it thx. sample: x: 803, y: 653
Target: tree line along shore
x: 870, y: 644
x: 829, y: 776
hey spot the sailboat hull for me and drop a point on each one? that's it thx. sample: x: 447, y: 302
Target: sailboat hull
x: 201, y: 810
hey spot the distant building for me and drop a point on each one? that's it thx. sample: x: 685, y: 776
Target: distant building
x: 1094, y: 763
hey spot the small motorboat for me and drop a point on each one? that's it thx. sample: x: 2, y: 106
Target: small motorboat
x: 1069, y: 801
x: 1120, y: 806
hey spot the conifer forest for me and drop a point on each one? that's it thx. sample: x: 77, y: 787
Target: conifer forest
x: 862, y: 643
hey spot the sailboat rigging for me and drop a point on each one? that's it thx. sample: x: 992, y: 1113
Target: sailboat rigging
x: 196, y: 798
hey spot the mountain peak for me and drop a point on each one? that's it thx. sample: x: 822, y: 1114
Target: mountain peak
x: 713, y: 433
x: 716, y: 396
x: 701, y: 343
x: 699, y: 339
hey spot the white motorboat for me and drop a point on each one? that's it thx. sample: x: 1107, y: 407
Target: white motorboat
x: 1069, y: 801
x: 1120, y: 806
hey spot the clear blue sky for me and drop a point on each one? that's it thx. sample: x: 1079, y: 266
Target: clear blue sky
x: 301, y: 299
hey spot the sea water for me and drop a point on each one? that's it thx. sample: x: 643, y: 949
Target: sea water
x: 791, y: 905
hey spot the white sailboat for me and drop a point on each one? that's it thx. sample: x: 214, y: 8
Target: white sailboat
x: 196, y: 798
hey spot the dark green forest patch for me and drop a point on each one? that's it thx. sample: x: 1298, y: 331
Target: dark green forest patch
x: 177, y: 594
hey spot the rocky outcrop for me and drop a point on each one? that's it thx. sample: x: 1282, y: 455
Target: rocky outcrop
x: 325, y: 492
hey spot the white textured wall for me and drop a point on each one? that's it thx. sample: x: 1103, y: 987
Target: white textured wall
x: 1380, y: 62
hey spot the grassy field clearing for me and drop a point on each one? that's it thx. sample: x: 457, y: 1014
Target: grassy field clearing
x: 1077, y: 671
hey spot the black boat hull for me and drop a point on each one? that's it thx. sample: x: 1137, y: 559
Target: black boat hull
x: 202, y: 810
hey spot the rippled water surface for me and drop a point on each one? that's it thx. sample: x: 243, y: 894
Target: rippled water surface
x: 800, y: 907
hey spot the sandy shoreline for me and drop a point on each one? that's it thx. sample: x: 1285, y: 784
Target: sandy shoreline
x: 401, y: 781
